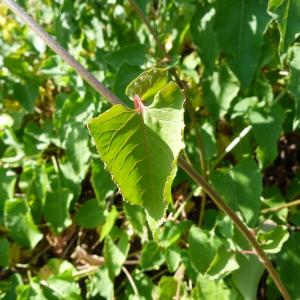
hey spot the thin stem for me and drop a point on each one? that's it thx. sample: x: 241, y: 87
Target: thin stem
x: 233, y: 144
x: 148, y: 25
x: 238, y: 222
x: 58, y: 49
x: 184, y: 164
x: 131, y: 281
x: 281, y: 206
x: 194, y: 123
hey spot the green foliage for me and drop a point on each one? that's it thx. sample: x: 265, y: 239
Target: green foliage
x: 109, y: 215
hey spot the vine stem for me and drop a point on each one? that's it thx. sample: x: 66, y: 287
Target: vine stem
x: 238, y: 222
x: 185, y: 165
x: 66, y: 56
x: 147, y: 23
x: 281, y: 206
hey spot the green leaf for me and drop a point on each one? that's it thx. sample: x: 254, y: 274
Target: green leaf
x: 62, y: 286
x: 134, y: 54
x: 100, y: 284
x: 223, y: 263
x: 4, y: 250
x: 126, y: 73
x: 267, y: 126
x: 77, y: 149
x: 19, y: 222
x: 204, y: 36
x: 9, y: 288
x: 90, y: 215
x: 173, y: 258
x: 27, y: 93
x: 167, y: 288
x: 148, y: 84
x: 212, y: 290
x: 220, y: 89
x: 8, y: 180
x: 101, y: 181
x: 152, y: 256
x: 140, y: 149
x: 56, y: 209
x: 240, y: 25
x: 110, y: 220
x: 287, y: 14
x: 273, y: 240
x: 294, y: 81
x: 247, y: 277
x: 31, y: 291
x: 207, y: 132
x: 33, y: 182
x: 203, y: 247
x: 116, y: 254
x: 173, y: 232
x: 136, y: 216
x: 241, y: 187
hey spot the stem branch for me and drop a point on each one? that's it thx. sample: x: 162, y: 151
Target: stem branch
x: 281, y: 206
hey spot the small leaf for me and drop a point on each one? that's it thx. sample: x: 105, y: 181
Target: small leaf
x: 56, y: 209
x: 140, y: 149
x: 27, y: 93
x: 212, y: 289
x: 287, y: 14
x: 61, y: 286
x: 126, y: 73
x: 267, y: 126
x: 152, y: 256
x: 136, y: 216
x: 134, y: 54
x: 273, y: 240
x: 31, y: 291
x: 220, y: 90
x: 19, y: 222
x: 101, y: 181
x: 148, y: 84
x: 110, y: 220
x: 100, y: 284
x: 241, y: 186
x: 90, y: 215
x: 77, y: 149
x: 115, y: 254
x: 247, y: 277
x: 204, y: 36
x: 240, y: 25
x: 223, y: 263
x: 167, y: 288
x: 173, y: 258
x: 203, y: 248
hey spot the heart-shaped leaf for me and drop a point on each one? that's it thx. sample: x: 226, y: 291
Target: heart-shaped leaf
x: 140, y: 149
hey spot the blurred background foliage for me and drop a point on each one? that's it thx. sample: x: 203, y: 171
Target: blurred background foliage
x: 65, y: 232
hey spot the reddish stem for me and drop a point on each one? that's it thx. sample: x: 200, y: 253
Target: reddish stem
x: 138, y: 104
